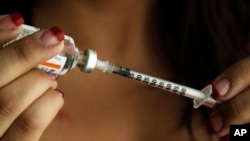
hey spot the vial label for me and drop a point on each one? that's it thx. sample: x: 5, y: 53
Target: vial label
x: 53, y: 65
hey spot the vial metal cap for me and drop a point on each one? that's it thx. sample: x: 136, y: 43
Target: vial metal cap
x: 90, y: 62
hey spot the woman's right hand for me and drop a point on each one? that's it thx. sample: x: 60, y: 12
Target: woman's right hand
x: 28, y: 99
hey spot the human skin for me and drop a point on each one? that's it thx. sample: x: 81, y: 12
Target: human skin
x: 27, y: 95
x: 128, y: 110
x: 104, y: 107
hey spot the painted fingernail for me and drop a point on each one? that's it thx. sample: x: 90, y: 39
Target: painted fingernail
x: 220, y: 88
x: 17, y: 19
x: 53, y: 36
x: 60, y: 92
x: 214, y: 124
x: 54, y: 76
x: 11, y: 21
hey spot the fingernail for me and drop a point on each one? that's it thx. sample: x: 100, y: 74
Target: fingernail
x: 60, y: 92
x: 17, y: 19
x: 214, y: 124
x: 54, y: 76
x: 220, y: 88
x: 53, y: 36
x: 11, y: 21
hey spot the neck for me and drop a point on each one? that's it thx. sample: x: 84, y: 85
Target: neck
x: 117, y: 30
x: 100, y: 24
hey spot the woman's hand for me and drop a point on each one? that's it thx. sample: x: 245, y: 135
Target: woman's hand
x: 232, y: 88
x: 28, y: 99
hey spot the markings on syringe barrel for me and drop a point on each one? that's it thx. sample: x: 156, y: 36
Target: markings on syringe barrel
x: 158, y: 83
x: 150, y: 81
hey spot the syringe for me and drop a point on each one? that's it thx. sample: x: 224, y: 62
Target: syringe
x: 71, y: 57
x: 200, y: 97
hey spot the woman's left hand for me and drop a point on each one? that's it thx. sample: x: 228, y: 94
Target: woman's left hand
x: 232, y: 89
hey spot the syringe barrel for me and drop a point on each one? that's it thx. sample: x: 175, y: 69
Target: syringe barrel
x: 189, y: 92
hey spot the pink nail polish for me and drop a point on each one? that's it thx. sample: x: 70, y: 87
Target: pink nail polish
x: 11, y: 21
x: 53, y: 36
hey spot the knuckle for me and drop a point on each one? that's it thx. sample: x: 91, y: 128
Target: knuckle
x: 7, y: 105
x: 28, y: 124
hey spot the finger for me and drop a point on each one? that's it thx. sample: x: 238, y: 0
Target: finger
x: 31, y: 124
x: 10, y: 27
x: 22, y: 55
x: 232, y: 112
x: 18, y: 95
x: 232, y: 81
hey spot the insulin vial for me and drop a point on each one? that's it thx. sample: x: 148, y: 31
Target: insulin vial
x: 67, y: 59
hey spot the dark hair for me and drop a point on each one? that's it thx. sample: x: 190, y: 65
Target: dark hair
x: 210, y: 35
x: 24, y: 7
